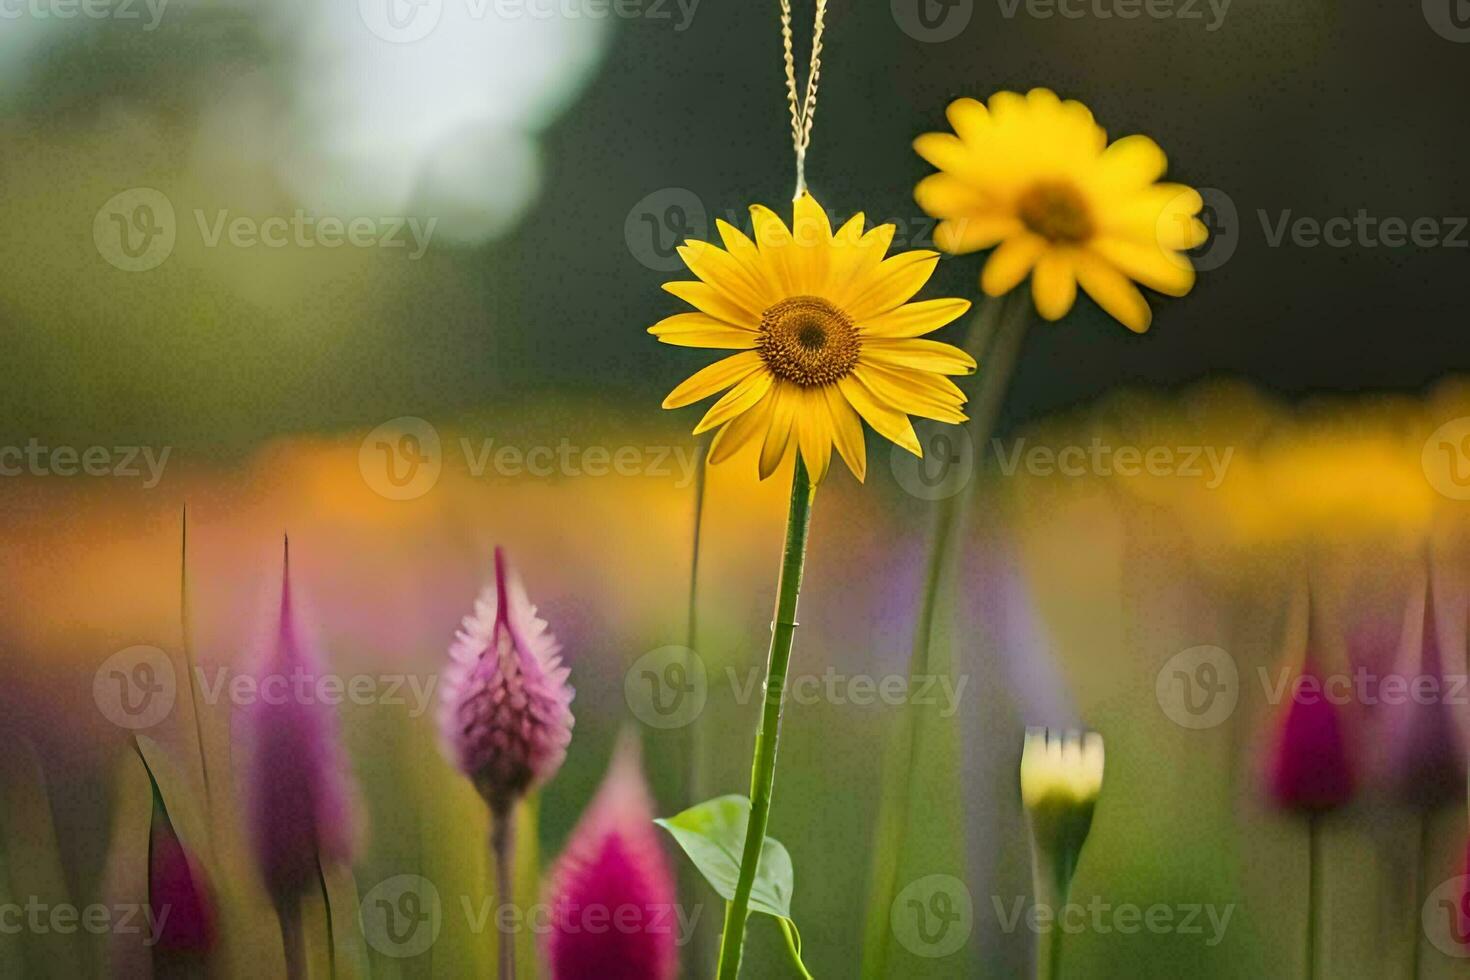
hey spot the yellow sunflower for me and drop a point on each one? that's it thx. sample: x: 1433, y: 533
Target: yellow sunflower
x: 1036, y: 176
x: 826, y: 334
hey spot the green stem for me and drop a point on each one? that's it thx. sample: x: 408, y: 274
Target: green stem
x: 503, y: 847
x: 1314, y: 873
x: 763, y: 770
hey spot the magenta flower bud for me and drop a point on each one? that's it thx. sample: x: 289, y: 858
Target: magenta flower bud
x: 505, y: 704
x: 178, y: 893
x: 299, y: 789
x: 613, y: 875
x: 1423, y: 755
x: 1309, y: 767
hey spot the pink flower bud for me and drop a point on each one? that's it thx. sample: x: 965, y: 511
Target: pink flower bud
x: 1309, y: 767
x: 178, y: 893
x: 505, y: 704
x: 300, y: 811
x: 614, y: 875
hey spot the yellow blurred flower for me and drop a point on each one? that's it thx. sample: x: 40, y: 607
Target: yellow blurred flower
x: 1035, y: 176
x: 826, y: 334
x: 1061, y: 768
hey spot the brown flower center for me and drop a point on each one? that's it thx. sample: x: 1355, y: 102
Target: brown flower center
x: 1056, y: 211
x: 807, y: 341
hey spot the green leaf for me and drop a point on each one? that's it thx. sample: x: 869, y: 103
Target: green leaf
x: 713, y: 835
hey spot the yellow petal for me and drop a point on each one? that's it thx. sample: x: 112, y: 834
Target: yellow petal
x: 847, y: 431
x: 1167, y: 272
x: 887, y: 421
x: 1113, y: 292
x: 750, y: 426
x: 1132, y: 161
x: 943, y: 195
x: 811, y: 236
x: 776, y: 246
x: 814, y: 432
x: 914, y: 319
x: 714, y: 377
x: 778, y: 433
x: 1053, y: 285
x: 855, y: 266
x: 743, y: 250
x: 702, y: 330
x: 946, y: 152
x: 738, y: 399
x: 720, y: 270
x: 707, y: 299
x: 917, y: 354
x: 892, y: 284
x: 969, y: 118
x: 1011, y: 262
x: 973, y: 232
x: 906, y: 391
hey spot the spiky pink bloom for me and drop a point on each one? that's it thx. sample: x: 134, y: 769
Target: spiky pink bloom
x: 178, y: 893
x: 1309, y: 768
x: 1422, y: 762
x: 505, y: 710
x: 300, y: 791
x: 612, y: 895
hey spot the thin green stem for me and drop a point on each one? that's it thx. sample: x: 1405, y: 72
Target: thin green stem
x: 503, y: 846
x: 763, y: 770
x: 1314, y: 889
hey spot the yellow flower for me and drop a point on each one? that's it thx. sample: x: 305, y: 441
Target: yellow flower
x: 1035, y: 176
x: 826, y: 336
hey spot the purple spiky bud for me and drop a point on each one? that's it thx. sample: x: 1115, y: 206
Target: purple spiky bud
x: 614, y: 912
x: 300, y: 793
x: 505, y: 708
x: 178, y: 893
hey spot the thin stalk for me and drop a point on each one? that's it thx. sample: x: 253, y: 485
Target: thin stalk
x: 503, y: 845
x: 1314, y: 889
x: 763, y: 770
x: 694, y: 731
x: 184, y: 627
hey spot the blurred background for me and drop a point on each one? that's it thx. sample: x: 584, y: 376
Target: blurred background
x: 248, y: 246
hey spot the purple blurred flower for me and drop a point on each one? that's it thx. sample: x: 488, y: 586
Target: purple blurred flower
x: 178, y: 892
x: 300, y: 810
x: 1309, y: 767
x: 1423, y: 756
x: 504, y: 710
x: 614, y: 873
